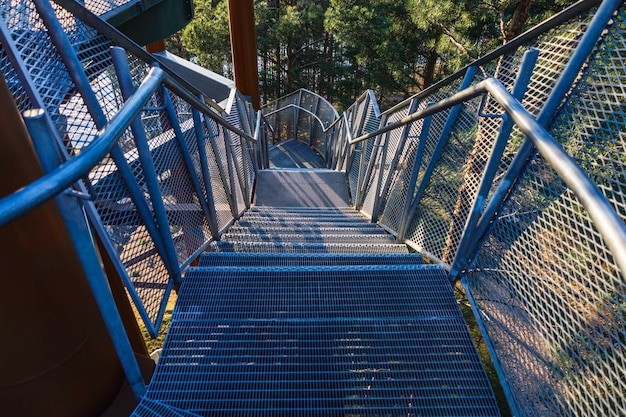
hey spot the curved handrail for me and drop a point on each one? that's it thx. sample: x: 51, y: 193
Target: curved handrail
x: 312, y: 93
x: 602, y: 213
x: 299, y: 108
x: 53, y: 183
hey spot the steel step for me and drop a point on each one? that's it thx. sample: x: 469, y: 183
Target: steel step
x: 306, y: 224
x: 320, y: 214
x: 271, y: 247
x: 308, y: 230
x: 272, y: 209
x: 225, y: 259
x: 316, y: 238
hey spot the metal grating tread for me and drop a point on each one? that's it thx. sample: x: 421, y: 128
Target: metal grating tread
x: 312, y: 238
x: 304, y: 219
x: 308, y: 230
x: 272, y: 247
x: 272, y: 209
x: 306, y: 224
x: 212, y: 259
x: 151, y: 408
x: 365, y: 341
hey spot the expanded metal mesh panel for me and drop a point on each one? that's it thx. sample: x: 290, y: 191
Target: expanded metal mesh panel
x: 319, y: 342
x: 242, y: 151
x: 101, y: 7
x: 545, y: 280
x: 236, y: 260
x: 22, y: 101
x: 179, y: 180
x: 592, y: 124
x: 437, y: 207
x: 391, y: 141
x: 186, y: 218
x: 554, y: 299
x: 134, y: 244
x: 306, y: 247
x: 398, y: 192
x: 220, y: 179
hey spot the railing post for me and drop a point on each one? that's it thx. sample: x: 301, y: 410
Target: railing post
x: 394, y: 163
x: 407, y: 215
x: 122, y: 71
x: 467, y: 242
x: 443, y: 138
x: 74, y: 218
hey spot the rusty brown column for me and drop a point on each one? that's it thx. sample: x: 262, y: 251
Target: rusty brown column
x: 57, y: 356
x: 243, y: 46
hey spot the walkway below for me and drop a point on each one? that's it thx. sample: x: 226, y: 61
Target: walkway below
x: 293, y: 154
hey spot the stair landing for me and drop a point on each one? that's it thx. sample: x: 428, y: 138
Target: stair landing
x: 292, y: 187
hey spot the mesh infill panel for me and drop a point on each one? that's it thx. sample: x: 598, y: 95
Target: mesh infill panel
x: 320, y: 342
x: 549, y: 288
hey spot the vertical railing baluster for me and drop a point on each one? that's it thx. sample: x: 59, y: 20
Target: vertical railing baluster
x: 124, y: 77
x: 468, y: 243
x: 408, y: 202
x: 78, y: 228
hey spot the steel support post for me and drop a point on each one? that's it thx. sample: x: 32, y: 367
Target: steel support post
x: 468, y: 244
x: 124, y: 77
x: 74, y: 218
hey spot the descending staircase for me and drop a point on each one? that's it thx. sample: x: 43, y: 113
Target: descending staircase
x: 316, y: 311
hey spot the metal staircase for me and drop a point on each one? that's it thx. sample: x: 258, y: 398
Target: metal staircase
x: 287, y: 320
x: 507, y: 177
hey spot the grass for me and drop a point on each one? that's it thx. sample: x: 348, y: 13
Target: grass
x: 157, y: 343
x: 478, y: 340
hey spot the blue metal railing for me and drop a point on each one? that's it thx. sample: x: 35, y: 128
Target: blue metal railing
x: 158, y: 170
x: 519, y: 195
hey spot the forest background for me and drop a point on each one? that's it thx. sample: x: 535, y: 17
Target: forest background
x: 340, y: 48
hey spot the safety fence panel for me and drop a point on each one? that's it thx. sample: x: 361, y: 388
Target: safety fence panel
x: 166, y: 190
x: 551, y: 294
x: 447, y: 197
x: 383, y: 161
x: 101, y: 7
x: 301, y: 115
x: 363, y: 117
x: 392, y: 211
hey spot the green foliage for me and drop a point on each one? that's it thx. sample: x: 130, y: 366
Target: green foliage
x: 338, y: 48
x: 207, y: 37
